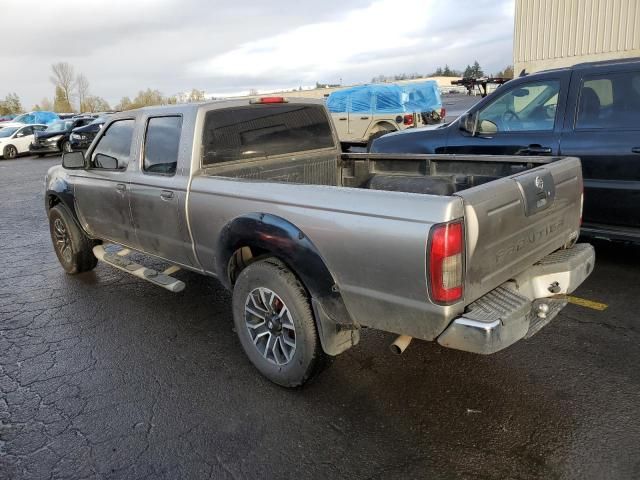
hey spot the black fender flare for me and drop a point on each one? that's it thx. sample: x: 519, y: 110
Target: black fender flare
x: 59, y: 190
x: 285, y: 241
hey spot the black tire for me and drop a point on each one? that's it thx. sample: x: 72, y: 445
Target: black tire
x: 41, y: 155
x: 307, y: 359
x: 65, y: 146
x: 73, y: 248
x: 374, y: 136
x: 10, y: 152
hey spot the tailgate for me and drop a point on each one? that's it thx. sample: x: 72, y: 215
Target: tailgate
x: 514, y: 222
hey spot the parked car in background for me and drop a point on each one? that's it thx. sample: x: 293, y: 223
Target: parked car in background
x: 7, y: 118
x: 81, y: 137
x: 40, y: 117
x: 55, y: 138
x: 364, y: 113
x: 15, y: 139
x: 590, y: 110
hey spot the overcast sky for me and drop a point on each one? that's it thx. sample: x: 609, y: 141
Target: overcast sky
x: 229, y: 47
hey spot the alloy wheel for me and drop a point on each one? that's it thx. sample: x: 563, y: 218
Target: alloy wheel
x: 270, y: 326
x: 62, y: 239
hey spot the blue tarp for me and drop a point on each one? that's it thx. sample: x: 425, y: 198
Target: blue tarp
x: 387, y: 98
x: 37, y: 117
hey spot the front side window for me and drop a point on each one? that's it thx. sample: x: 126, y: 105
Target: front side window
x: 529, y: 107
x: 114, y: 147
x: 161, y: 145
x: 25, y: 131
x: 610, y: 101
x: 264, y: 130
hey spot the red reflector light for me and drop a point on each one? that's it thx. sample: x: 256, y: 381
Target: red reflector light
x: 408, y: 119
x: 443, y: 113
x: 446, y: 262
x: 268, y: 100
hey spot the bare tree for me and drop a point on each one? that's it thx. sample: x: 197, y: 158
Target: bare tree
x: 65, y: 78
x: 96, y: 104
x: 196, y: 96
x: 46, y: 104
x: 83, y: 91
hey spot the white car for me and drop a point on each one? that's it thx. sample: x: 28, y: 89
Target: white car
x: 15, y: 138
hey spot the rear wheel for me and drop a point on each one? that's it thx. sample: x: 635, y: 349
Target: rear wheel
x: 73, y: 248
x: 275, y: 324
x: 10, y: 152
x: 65, y: 146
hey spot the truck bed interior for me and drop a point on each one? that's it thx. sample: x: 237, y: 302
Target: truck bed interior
x: 413, y: 173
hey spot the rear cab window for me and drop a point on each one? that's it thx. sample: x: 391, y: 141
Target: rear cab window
x: 260, y: 131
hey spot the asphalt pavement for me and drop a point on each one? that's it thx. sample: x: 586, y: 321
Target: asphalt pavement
x: 106, y: 376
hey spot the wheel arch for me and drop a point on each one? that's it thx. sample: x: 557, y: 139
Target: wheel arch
x: 267, y: 235
x: 60, y: 191
x: 381, y: 126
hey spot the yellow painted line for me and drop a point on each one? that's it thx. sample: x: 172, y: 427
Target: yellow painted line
x: 583, y: 302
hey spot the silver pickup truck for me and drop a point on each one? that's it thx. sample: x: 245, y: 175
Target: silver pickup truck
x: 474, y: 252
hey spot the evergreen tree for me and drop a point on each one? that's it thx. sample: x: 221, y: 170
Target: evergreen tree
x: 60, y: 102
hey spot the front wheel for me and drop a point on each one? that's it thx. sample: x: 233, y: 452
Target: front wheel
x: 65, y: 147
x: 275, y: 324
x: 10, y: 152
x: 73, y: 248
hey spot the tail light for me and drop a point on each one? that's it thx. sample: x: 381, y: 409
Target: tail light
x: 446, y: 262
x: 268, y: 100
x: 408, y: 119
x: 443, y: 113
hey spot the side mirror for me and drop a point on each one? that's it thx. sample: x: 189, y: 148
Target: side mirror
x: 488, y: 127
x: 469, y: 123
x: 73, y: 160
x: 105, y: 161
x: 19, y: 135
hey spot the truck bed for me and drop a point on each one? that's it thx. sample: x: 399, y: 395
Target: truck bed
x: 495, y: 196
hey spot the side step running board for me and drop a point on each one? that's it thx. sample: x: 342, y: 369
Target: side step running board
x: 118, y: 260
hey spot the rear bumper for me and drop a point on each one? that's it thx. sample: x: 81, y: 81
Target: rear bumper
x: 520, y: 307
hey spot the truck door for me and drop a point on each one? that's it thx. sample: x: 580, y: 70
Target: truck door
x: 360, y: 114
x: 604, y: 131
x: 102, y: 190
x: 523, y: 118
x: 158, y: 193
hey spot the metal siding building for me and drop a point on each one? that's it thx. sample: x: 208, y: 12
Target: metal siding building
x: 559, y: 33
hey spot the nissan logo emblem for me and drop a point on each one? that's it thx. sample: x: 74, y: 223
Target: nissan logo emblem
x: 539, y: 183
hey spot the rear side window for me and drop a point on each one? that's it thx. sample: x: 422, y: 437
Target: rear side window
x: 114, y: 147
x: 264, y: 130
x: 161, y: 144
x: 610, y: 101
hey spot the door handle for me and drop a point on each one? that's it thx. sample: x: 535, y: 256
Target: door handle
x: 364, y: 118
x: 342, y: 118
x: 635, y: 150
x: 121, y: 187
x: 536, y: 150
x: 166, y: 195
